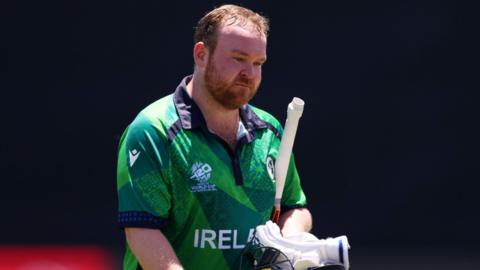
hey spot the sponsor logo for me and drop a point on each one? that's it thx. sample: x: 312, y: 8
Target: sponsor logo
x: 133, y: 155
x: 201, y: 173
x: 221, y: 239
x: 270, y: 167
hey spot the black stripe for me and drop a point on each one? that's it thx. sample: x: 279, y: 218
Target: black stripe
x: 174, y: 130
x: 140, y: 219
x: 285, y: 208
x: 237, y: 171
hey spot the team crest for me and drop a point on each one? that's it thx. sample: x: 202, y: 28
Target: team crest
x: 270, y: 167
x: 201, y: 173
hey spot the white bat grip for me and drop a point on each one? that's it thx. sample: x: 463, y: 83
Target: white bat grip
x: 294, y: 112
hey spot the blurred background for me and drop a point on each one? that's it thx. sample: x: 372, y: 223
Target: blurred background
x: 387, y: 148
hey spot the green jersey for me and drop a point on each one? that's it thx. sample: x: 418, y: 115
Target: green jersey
x: 177, y: 176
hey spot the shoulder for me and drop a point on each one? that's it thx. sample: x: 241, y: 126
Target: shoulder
x: 267, y: 118
x: 153, y: 121
x: 160, y: 115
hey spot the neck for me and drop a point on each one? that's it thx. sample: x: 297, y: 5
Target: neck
x: 220, y: 120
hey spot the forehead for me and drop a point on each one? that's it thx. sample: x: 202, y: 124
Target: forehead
x: 242, y: 38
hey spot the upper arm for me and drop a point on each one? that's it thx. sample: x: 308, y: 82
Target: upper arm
x: 151, y: 248
x: 294, y: 221
x: 144, y: 199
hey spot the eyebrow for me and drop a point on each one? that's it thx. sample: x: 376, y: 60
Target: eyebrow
x: 263, y: 59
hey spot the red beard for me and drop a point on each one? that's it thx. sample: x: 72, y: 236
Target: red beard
x: 231, y: 95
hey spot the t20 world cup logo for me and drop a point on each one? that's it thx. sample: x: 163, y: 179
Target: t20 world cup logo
x: 201, y: 172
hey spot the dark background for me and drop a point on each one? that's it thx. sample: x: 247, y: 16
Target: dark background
x: 387, y: 146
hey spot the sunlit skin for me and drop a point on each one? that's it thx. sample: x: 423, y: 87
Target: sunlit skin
x: 222, y: 82
x: 234, y: 71
x: 229, y: 77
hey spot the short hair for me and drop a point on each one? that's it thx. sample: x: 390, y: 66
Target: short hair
x: 207, y: 27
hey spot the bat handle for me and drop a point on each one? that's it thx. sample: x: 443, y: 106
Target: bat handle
x: 276, y: 211
x: 276, y: 215
x: 294, y: 112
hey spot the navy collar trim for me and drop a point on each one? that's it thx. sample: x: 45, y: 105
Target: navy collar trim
x: 191, y: 116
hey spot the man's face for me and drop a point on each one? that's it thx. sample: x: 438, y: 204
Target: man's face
x: 234, y: 70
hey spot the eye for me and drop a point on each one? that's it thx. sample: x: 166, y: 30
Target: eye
x: 259, y: 63
x: 238, y: 59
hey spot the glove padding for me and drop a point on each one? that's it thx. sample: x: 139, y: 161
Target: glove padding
x: 305, y: 250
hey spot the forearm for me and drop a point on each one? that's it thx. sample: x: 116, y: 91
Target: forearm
x: 152, y: 249
x: 295, y: 221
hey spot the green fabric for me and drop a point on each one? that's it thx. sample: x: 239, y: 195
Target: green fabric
x: 209, y: 217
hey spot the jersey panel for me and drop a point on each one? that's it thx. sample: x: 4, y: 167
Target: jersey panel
x: 231, y: 226
x: 260, y: 184
x: 230, y: 214
x: 123, y: 176
x: 197, y: 179
x: 186, y: 240
x: 172, y: 167
x: 144, y: 146
x: 293, y: 195
x: 143, y: 163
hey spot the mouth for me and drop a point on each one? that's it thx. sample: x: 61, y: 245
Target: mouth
x: 243, y: 85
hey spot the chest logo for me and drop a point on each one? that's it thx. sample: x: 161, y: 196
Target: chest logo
x: 201, y: 173
x: 133, y: 155
x: 270, y: 167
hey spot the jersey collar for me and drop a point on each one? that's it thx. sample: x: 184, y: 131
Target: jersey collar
x: 191, y: 117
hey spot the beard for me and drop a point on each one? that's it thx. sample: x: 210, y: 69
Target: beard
x: 231, y: 94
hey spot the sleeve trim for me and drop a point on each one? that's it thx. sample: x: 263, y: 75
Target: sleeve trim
x: 285, y: 208
x: 140, y: 219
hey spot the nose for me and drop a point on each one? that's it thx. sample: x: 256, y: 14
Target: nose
x: 249, y: 71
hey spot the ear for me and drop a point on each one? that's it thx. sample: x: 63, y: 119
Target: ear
x: 200, y: 54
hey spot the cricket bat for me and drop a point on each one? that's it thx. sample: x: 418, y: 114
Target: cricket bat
x: 294, y: 112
